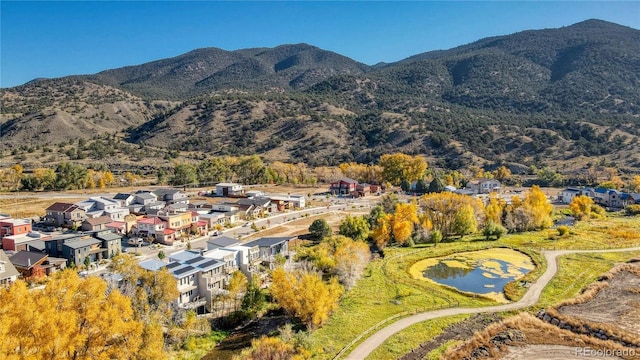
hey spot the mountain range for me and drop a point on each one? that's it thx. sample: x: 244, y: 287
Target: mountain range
x: 562, y: 97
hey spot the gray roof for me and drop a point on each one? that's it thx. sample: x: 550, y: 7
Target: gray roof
x: 122, y: 196
x: 269, y: 241
x: 258, y: 200
x: 108, y: 236
x: 184, y: 255
x: 26, y: 259
x: 165, y: 191
x: 37, y: 245
x: 146, y: 195
x: 222, y: 241
x: 152, y: 264
x: 76, y: 244
x: 9, y: 269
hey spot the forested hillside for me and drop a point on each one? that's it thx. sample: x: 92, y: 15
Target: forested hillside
x: 560, y: 97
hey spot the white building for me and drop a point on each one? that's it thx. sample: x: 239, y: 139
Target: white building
x: 229, y: 189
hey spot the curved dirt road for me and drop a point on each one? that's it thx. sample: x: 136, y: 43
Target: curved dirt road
x: 530, y: 297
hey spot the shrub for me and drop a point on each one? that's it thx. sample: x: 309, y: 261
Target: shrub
x: 563, y: 230
x: 633, y: 210
x: 493, y: 229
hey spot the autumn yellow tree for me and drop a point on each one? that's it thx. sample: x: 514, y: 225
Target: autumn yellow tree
x: 398, y: 226
x: 494, y: 208
x: 539, y: 206
x: 581, y: 206
x: 442, y: 210
x: 304, y: 295
x: 405, y: 216
x: 237, y: 287
x: 502, y: 173
x: 635, y: 184
x: 398, y: 167
x: 71, y: 318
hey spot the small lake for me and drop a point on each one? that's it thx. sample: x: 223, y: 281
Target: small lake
x: 484, y: 272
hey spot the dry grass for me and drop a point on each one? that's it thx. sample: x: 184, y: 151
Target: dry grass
x: 534, y: 330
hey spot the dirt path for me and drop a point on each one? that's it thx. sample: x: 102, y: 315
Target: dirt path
x: 530, y: 297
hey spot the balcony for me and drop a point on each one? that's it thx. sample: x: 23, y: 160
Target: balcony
x: 196, y: 303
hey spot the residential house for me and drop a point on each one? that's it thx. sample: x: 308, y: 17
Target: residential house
x: 124, y: 200
x: 26, y: 262
x: 211, y: 278
x: 287, y: 202
x: 566, y: 196
x: 186, y: 276
x: 198, y: 227
x: 172, y: 197
x: 363, y: 189
x: 609, y: 197
x: 199, y: 205
x: 254, y: 193
x: 96, y: 224
x: 251, y: 208
x: 22, y: 241
x: 103, y: 245
x: 64, y: 214
x: 270, y: 247
x: 150, y: 226
x: 8, y: 272
x: 9, y: 227
x: 145, y: 202
x: 213, y: 219
x: 118, y: 227
x: 630, y: 199
x: 229, y: 189
x: 227, y: 256
x: 77, y: 251
x: 247, y: 258
x: 111, y: 242
x: 179, y: 223
x: 101, y: 206
x: 344, y: 186
x: 220, y: 242
x: 483, y: 186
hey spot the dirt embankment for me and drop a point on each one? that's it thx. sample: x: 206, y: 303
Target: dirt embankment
x: 603, y: 323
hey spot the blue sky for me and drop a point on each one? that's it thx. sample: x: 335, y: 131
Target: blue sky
x: 53, y: 39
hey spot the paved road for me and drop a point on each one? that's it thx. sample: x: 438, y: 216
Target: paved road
x: 530, y: 298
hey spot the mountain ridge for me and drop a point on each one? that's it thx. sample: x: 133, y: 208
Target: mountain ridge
x: 505, y: 98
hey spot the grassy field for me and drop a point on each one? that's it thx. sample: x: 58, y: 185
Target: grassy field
x: 387, y: 289
x: 411, y: 337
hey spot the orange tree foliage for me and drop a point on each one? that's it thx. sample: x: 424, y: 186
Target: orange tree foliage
x: 71, y: 318
x: 443, y: 208
x: 304, y: 295
x: 398, y: 226
x: 396, y: 167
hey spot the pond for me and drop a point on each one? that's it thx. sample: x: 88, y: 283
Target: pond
x: 484, y: 272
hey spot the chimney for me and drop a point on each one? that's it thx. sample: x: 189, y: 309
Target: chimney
x: 29, y: 262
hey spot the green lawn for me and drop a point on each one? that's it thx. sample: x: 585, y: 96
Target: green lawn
x: 388, y: 290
